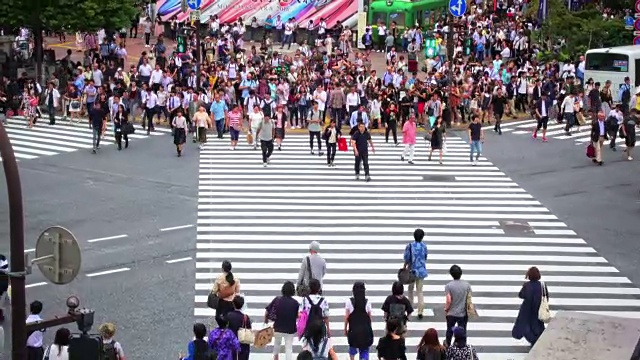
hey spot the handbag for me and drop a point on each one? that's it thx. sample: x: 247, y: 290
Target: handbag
x: 544, y: 314
x: 128, y: 128
x: 263, y: 337
x: 342, y: 144
x: 405, y: 275
x: 591, y: 151
x: 471, y: 308
x: 214, y: 298
x: 249, y: 138
x: 303, y: 289
x: 245, y: 336
x: 272, y: 308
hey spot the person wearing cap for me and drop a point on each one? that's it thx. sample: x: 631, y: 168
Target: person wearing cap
x: 313, y: 266
x: 460, y: 350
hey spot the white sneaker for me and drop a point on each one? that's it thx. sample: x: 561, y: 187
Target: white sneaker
x: 629, y: 158
x: 231, y: 148
x: 474, y: 163
x: 264, y: 164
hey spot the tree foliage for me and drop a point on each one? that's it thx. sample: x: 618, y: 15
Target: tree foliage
x: 69, y: 15
x: 581, y: 30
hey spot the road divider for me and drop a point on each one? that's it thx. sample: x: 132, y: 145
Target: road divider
x: 177, y: 228
x: 173, y: 261
x: 108, y: 238
x: 107, y: 272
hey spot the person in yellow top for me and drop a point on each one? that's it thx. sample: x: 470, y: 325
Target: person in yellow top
x: 226, y: 286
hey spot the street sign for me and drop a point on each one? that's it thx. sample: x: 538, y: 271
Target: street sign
x: 629, y: 22
x: 194, y: 15
x: 638, y: 6
x: 457, y: 8
x: 58, y: 255
x: 194, y: 4
x: 636, y: 25
x: 636, y: 40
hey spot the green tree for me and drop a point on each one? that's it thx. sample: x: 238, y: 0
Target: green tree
x: 581, y: 30
x: 65, y: 15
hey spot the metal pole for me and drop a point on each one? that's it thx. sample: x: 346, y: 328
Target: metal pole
x: 450, y: 50
x: 198, y: 52
x: 16, y: 234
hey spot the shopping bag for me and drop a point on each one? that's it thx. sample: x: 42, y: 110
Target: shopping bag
x: 342, y: 144
x: 249, y: 138
x: 591, y: 151
x: 263, y: 337
x: 444, y: 147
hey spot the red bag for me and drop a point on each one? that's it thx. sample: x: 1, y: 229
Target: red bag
x: 342, y: 144
x: 591, y: 151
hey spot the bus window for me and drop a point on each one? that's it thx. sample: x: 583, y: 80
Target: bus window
x: 607, y: 62
x: 379, y: 17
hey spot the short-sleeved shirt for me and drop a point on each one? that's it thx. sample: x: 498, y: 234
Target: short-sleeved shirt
x: 362, y: 141
x: 476, y: 130
x: 217, y: 109
x: 305, y: 306
x: 458, y: 290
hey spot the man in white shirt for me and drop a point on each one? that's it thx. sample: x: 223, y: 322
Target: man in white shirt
x: 144, y: 70
x: 35, y: 349
x: 155, y: 80
x: 150, y: 109
x: 353, y: 101
x: 568, y: 112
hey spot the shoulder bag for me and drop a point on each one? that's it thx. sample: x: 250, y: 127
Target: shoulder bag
x: 245, y: 335
x: 472, y: 313
x: 405, y: 274
x: 214, y: 298
x: 544, y: 314
x: 303, y: 289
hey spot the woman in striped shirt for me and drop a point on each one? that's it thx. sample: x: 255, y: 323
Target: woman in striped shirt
x: 234, y: 123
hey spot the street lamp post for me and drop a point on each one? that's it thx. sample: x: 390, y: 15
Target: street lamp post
x: 16, y: 235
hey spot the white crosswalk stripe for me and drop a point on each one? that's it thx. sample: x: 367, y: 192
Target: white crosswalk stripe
x: 554, y: 131
x: 263, y: 219
x: 63, y: 137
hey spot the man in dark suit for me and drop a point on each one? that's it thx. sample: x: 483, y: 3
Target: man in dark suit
x: 598, y: 136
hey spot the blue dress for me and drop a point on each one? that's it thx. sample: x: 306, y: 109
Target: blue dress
x: 527, y: 324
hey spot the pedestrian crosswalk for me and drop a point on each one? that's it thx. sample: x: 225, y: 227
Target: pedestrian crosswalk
x: 263, y: 219
x: 581, y: 135
x: 63, y: 137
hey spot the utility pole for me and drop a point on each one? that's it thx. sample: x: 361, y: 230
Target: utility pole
x: 450, y: 51
x: 16, y: 235
x: 198, y: 51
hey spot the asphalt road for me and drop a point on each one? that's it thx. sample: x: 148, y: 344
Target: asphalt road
x: 599, y: 203
x: 136, y: 270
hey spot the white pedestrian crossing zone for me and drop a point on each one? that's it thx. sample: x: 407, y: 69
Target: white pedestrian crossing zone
x: 63, y: 137
x: 263, y: 219
x: 581, y: 135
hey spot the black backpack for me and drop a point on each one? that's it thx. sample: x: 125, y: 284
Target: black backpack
x: 266, y: 109
x: 109, y: 351
x: 315, y: 310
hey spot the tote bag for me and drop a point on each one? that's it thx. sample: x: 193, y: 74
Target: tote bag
x: 544, y: 314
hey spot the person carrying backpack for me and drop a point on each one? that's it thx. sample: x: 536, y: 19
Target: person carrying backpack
x: 397, y: 307
x: 111, y: 349
x: 317, y: 342
x: 357, y: 327
x: 313, y: 309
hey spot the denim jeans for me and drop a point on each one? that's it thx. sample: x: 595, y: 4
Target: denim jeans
x: 97, y: 133
x: 476, y: 146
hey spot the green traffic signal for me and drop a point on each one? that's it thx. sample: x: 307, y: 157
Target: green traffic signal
x: 181, y: 44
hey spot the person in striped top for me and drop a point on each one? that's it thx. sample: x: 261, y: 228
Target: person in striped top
x: 234, y: 123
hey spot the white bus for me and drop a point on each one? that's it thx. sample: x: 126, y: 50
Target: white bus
x: 614, y: 64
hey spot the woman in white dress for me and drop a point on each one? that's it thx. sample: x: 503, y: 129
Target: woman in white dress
x: 255, y: 118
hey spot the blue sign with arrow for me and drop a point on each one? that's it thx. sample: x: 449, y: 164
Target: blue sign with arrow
x: 628, y: 21
x: 457, y: 8
x: 194, y: 4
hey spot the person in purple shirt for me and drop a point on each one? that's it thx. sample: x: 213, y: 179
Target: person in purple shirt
x: 223, y: 341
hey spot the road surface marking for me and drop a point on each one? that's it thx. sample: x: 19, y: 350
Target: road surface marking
x: 35, y: 284
x: 177, y: 227
x: 29, y: 250
x: 108, y: 272
x: 108, y: 238
x: 178, y: 260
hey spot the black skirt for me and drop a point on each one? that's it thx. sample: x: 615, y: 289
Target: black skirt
x: 280, y: 133
x: 436, y: 143
x: 179, y: 136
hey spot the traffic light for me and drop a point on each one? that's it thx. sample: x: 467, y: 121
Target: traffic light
x: 467, y: 47
x: 431, y: 48
x: 182, y: 44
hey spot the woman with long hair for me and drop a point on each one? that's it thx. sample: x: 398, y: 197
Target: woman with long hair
x: 226, y: 286
x: 198, y: 348
x: 438, y: 138
x: 59, y: 350
x: 119, y: 121
x: 316, y: 340
x: 429, y: 347
x: 357, y: 322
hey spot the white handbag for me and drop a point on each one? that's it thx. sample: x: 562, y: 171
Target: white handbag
x: 544, y: 314
x: 245, y: 336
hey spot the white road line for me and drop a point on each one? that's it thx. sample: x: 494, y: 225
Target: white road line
x: 108, y: 238
x: 177, y: 227
x: 35, y: 284
x: 108, y: 272
x: 178, y: 260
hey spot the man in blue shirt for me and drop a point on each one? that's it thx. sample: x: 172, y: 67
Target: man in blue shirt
x: 415, y: 259
x: 357, y: 117
x: 218, y: 112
